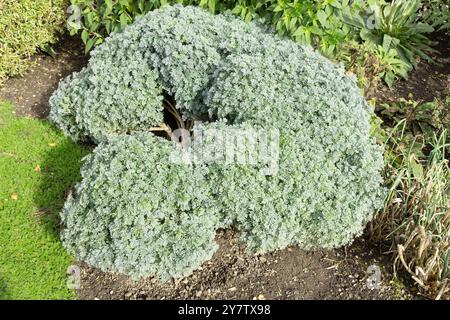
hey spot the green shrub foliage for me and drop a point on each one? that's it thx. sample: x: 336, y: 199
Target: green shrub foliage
x: 26, y: 26
x: 393, y: 32
x: 139, y: 212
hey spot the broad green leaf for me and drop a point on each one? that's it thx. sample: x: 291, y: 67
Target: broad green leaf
x: 84, y: 36
x: 417, y: 168
x: 90, y: 43
x: 124, y: 19
x: 109, y: 4
x: 389, y: 78
x: 212, y: 6
x: 323, y: 17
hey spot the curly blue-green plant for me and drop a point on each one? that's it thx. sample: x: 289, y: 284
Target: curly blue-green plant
x: 137, y: 212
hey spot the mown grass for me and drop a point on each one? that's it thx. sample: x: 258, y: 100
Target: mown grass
x: 38, y: 166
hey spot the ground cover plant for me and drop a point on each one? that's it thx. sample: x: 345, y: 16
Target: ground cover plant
x: 37, y: 166
x: 25, y: 27
x: 247, y: 77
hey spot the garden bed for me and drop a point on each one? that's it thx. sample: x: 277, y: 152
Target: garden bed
x: 285, y: 274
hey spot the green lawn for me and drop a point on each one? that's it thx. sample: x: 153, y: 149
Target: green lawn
x: 38, y: 166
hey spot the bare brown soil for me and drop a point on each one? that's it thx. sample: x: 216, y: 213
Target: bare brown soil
x: 232, y: 274
x: 286, y: 274
x: 427, y: 81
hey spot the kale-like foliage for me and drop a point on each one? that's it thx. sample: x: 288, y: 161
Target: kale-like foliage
x: 139, y: 212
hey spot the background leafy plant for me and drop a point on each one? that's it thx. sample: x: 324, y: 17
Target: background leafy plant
x: 26, y: 26
x: 372, y: 64
x: 391, y: 66
x: 415, y: 219
x: 424, y: 119
x: 332, y: 26
x: 319, y: 23
x: 396, y: 26
x: 437, y: 14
